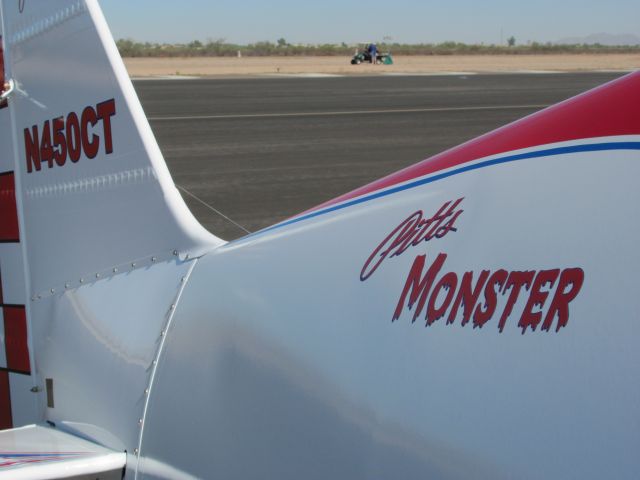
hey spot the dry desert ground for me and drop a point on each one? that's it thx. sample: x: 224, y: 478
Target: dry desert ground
x: 232, y: 66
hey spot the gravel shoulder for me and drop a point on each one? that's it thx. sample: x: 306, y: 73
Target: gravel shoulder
x: 231, y: 66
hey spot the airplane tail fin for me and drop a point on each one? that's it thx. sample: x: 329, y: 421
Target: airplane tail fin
x: 93, y: 187
x: 84, y: 189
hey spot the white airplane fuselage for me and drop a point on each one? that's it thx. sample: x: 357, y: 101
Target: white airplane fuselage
x: 472, y: 316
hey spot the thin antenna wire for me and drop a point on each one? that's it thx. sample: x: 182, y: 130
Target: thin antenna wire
x: 212, y: 208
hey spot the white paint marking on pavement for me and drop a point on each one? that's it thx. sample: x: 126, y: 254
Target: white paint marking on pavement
x: 302, y: 75
x: 426, y: 74
x: 340, y: 113
x: 166, y: 77
x: 539, y: 72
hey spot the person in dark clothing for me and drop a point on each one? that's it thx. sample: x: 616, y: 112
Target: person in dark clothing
x: 373, y: 52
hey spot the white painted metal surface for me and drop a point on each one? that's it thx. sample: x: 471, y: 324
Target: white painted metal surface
x: 472, y: 317
x: 302, y: 372
x: 100, y: 350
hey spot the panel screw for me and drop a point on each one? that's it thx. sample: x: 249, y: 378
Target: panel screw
x: 97, y: 275
x: 66, y: 285
x: 175, y: 252
x: 153, y: 259
x: 146, y: 391
x: 135, y: 452
x: 82, y: 280
x: 133, y: 264
x: 115, y: 270
x: 53, y: 290
x: 140, y: 422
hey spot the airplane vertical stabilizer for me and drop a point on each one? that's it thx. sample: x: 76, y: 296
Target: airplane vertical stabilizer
x: 94, y: 189
x: 95, y: 240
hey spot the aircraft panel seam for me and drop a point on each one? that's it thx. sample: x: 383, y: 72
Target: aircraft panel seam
x: 154, y: 368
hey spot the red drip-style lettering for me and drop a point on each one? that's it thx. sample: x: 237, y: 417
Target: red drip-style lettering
x: 448, y: 282
x: 417, y: 287
x: 493, y: 295
x: 467, y: 296
x: 515, y: 282
x: 537, y: 297
x: 571, y: 278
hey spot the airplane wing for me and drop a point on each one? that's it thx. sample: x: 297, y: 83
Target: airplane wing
x: 38, y: 452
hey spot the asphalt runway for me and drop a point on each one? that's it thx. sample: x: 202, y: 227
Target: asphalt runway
x: 259, y: 150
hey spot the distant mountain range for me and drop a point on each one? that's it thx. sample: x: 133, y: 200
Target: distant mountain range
x: 603, y: 39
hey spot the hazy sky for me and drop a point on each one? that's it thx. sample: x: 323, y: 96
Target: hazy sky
x: 332, y: 21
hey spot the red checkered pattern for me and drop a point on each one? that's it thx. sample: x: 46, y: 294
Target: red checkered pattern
x: 14, y: 350
x: 9, y: 231
x: 6, y: 420
x: 15, y: 338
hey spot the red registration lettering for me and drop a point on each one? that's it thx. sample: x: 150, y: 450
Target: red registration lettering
x: 87, y: 122
x: 32, y: 148
x: 70, y: 137
x: 59, y: 141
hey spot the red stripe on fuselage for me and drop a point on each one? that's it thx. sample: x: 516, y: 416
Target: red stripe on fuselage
x: 609, y: 110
